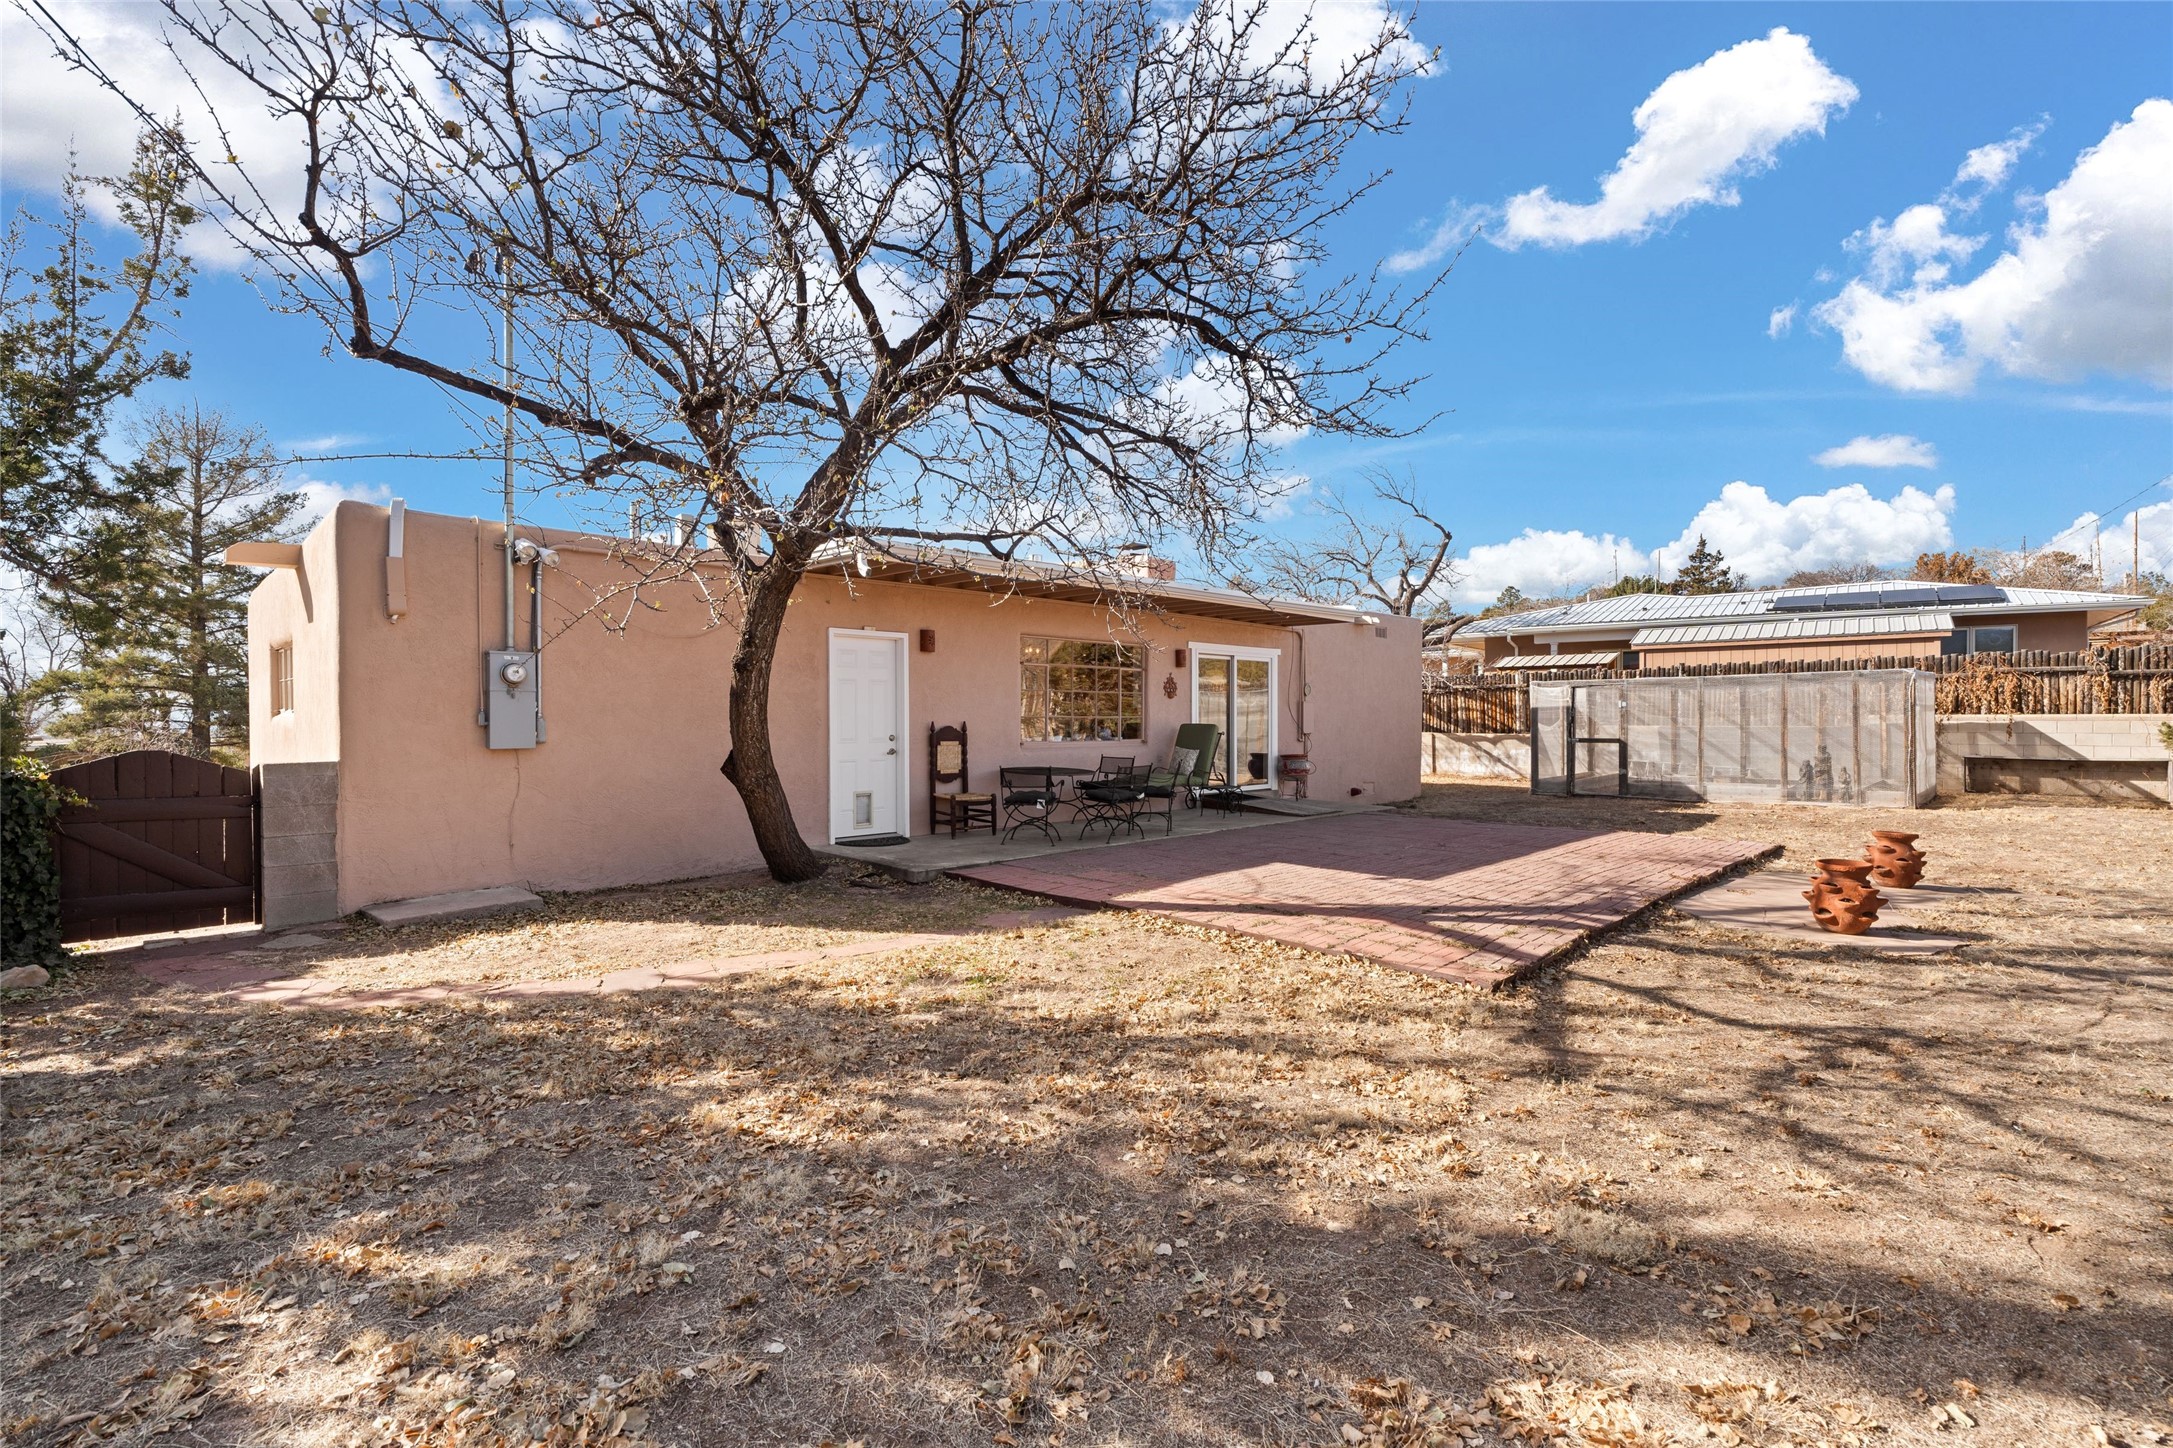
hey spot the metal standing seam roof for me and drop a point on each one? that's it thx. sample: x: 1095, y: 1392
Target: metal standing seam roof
x: 1636, y: 609
x: 1797, y: 626
x: 1600, y: 660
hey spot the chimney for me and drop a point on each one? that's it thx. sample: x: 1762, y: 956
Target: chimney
x: 1139, y: 560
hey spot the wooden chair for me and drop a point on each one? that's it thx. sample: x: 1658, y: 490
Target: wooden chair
x: 958, y: 807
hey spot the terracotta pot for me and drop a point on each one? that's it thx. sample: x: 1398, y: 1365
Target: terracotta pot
x: 1895, y: 860
x: 1841, y: 897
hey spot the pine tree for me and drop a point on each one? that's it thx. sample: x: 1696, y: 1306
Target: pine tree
x: 1705, y: 571
x: 75, y: 340
x: 170, y: 665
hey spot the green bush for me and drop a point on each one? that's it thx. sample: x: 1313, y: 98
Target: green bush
x: 29, y: 866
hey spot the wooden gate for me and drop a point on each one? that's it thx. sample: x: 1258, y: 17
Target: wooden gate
x: 163, y: 842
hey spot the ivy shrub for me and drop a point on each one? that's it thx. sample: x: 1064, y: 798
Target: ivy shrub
x: 29, y: 865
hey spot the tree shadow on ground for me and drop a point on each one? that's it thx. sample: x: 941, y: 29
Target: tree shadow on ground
x: 890, y: 1169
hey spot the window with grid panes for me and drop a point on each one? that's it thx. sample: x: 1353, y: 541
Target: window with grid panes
x: 283, y: 678
x: 1080, y: 689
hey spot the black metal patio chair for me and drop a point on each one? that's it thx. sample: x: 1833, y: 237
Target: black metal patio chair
x: 1112, y: 798
x: 1029, y: 796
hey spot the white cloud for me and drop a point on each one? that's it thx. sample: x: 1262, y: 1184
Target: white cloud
x: 1542, y: 563
x: 1766, y: 539
x: 1781, y: 320
x: 1217, y: 401
x: 2147, y: 531
x: 320, y: 496
x: 1454, y: 230
x: 1986, y: 169
x: 1762, y: 538
x: 1890, y: 450
x: 2084, y: 288
x: 1699, y: 133
x: 1322, y: 40
x: 49, y: 110
x: 1915, y: 245
x: 1280, y: 497
x: 329, y: 442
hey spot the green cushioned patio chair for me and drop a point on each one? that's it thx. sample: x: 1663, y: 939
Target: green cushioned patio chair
x: 1191, y: 769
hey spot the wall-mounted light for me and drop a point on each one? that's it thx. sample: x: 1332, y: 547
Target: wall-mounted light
x: 928, y: 640
x: 1182, y: 655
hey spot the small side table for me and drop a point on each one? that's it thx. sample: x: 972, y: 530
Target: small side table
x: 1225, y: 798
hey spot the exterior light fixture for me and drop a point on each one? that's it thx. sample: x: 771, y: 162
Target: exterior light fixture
x: 928, y: 640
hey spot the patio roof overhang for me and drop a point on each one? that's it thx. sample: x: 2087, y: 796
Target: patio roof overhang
x: 1593, y: 659
x: 1032, y: 579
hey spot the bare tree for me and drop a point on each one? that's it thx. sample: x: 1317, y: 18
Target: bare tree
x: 1398, y: 565
x: 839, y: 277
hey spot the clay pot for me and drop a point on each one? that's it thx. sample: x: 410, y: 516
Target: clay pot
x: 1895, y: 860
x: 1841, y: 896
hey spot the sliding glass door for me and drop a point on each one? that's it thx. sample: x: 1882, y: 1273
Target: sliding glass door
x: 1236, y: 689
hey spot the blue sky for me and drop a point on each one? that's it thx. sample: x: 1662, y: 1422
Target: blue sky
x: 1605, y: 393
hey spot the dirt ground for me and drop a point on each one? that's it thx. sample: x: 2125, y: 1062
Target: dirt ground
x: 1119, y: 1181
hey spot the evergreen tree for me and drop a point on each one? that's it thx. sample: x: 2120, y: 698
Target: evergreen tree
x: 170, y: 669
x: 1706, y: 571
x: 75, y: 340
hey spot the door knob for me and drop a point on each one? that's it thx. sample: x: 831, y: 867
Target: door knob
x: 892, y: 750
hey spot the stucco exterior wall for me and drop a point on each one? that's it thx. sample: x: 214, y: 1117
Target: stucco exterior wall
x: 626, y: 788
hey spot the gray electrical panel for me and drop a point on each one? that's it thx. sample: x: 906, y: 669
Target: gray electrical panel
x: 512, y: 692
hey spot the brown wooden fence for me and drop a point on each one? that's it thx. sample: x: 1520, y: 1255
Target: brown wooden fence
x: 2099, y: 681
x: 161, y: 842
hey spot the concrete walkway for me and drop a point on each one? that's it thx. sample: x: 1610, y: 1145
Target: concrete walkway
x: 1475, y: 903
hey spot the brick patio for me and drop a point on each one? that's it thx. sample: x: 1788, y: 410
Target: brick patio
x: 1475, y: 903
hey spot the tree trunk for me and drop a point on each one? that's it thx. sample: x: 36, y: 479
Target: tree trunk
x: 752, y: 765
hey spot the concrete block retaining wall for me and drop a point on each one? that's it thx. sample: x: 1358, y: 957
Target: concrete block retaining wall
x: 298, y: 862
x: 2096, y: 756
x: 1477, y: 756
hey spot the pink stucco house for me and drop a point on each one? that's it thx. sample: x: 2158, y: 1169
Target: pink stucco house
x: 367, y: 684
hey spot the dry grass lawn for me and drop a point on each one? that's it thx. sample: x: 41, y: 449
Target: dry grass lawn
x: 1124, y: 1182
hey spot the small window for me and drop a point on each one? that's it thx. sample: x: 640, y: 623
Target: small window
x: 1992, y: 640
x: 283, y: 678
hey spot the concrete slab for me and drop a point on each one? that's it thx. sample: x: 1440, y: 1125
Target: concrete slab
x: 455, y: 905
x: 930, y: 857
x: 1771, y: 903
x: 299, y: 941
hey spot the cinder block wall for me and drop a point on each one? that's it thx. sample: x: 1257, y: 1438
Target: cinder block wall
x: 298, y: 863
x: 1477, y: 756
x: 2105, y: 738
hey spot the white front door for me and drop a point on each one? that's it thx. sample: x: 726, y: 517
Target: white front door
x: 867, y: 759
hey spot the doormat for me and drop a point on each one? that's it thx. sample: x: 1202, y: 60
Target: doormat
x: 864, y: 842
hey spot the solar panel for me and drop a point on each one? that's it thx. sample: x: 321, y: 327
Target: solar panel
x: 1970, y: 593
x: 1911, y: 596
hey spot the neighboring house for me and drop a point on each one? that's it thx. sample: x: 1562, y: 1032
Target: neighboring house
x: 371, y: 670
x: 1773, y: 625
